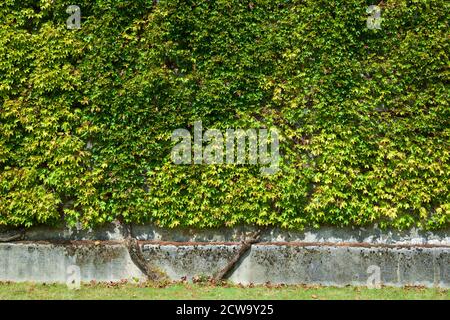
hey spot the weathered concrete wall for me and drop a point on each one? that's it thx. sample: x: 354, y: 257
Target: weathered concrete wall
x: 47, y: 262
x: 275, y: 263
x: 308, y: 264
x: 188, y: 261
x: 328, y: 265
x: 327, y: 256
x: 323, y: 235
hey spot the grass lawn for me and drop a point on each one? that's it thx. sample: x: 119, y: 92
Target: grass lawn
x: 207, y: 291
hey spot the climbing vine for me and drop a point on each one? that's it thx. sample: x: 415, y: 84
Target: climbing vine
x: 86, y: 114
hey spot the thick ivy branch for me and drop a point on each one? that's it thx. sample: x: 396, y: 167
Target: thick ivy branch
x: 138, y: 258
x: 234, y: 263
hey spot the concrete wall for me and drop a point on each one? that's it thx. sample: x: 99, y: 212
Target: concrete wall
x: 115, y: 231
x: 308, y: 264
x: 327, y: 256
x: 46, y: 262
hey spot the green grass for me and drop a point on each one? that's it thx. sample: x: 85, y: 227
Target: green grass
x: 206, y: 291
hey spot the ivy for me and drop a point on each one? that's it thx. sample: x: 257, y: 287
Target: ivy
x: 86, y: 115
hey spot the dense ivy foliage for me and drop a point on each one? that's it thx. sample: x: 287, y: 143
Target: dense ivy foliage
x: 86, y: 115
